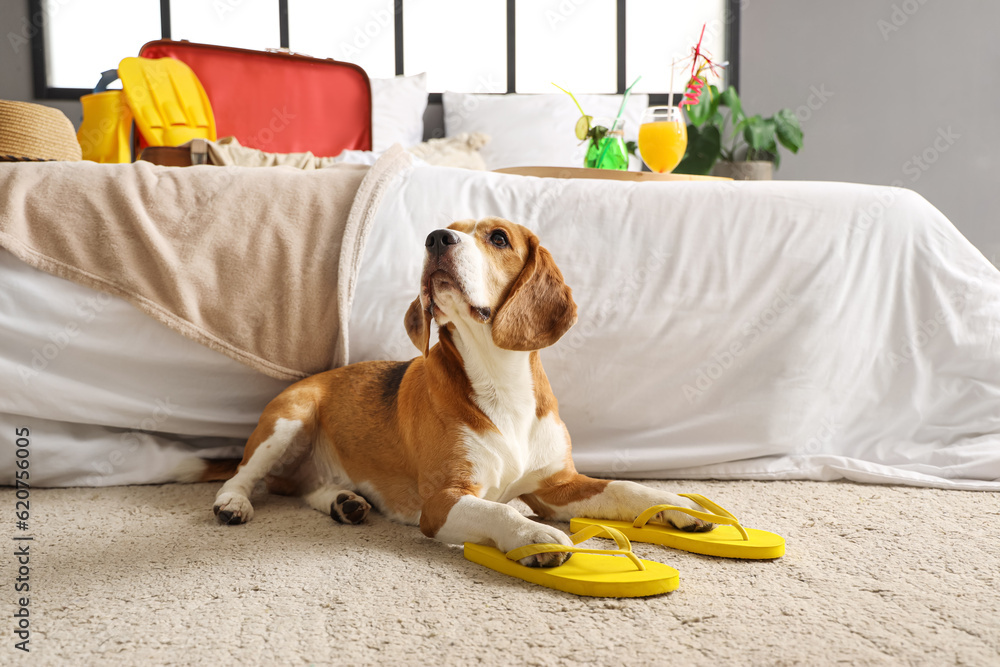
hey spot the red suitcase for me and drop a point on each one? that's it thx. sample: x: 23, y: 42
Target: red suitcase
x: 279, y: 102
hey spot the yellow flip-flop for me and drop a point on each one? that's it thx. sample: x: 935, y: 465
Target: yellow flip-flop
x: 593, y: 572
x: 728, y: 539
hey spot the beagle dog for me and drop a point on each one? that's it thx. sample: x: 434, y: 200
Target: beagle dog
x: 447, y: 439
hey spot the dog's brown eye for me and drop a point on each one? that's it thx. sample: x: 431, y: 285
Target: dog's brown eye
x: 499, y: 239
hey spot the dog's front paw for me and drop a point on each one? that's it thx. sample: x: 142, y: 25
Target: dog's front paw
x: 349, y: 508
x: 233, y: 508
x: 540, y: 534
x: 682, y: 521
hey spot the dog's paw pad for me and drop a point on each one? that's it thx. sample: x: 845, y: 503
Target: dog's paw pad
x: 542, y: 534
x: 349, y: 508
x: 553, y: 559
x: 233, y: 509
x: 685, y: 522
x: 698, y: 526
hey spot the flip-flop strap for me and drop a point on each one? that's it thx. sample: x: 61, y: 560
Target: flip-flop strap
x: 723, y: 516
x: 708, y: 504
x: 624, y: 546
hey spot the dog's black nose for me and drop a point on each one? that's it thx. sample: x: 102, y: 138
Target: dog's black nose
x: 439, y: 240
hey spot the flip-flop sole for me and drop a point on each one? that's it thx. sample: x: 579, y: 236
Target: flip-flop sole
x: 594, y: 575
x: 723, y: 541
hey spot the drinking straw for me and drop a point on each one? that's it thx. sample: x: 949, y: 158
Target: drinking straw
x: 621, y: 110
x: 571, y: 97
x: 673, y: 63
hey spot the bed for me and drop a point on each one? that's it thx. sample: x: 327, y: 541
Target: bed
x: 781, y: 330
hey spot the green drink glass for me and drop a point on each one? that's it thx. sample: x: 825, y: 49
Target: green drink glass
x: 606, y: 145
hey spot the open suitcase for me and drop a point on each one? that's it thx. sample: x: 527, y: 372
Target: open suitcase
x: 279, y: 102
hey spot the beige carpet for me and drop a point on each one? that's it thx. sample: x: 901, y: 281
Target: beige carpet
x: 144, y: 575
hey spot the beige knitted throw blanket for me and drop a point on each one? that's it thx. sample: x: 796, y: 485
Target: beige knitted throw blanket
x: 259, y: 264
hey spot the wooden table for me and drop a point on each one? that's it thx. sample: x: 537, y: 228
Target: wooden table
x: 605, y: 174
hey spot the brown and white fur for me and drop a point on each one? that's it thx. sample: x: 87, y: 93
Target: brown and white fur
x: 447, y: 439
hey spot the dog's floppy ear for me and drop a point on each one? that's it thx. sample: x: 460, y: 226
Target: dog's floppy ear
x: 539, y: 308
x: 418, y: 326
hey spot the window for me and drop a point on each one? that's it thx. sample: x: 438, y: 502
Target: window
x: 82, y: 42
x: 357, y: 31
x: 570, y: 43
x: 588, y: 46
x: 247, y: 24
x: 667, y: 31
x: 461, y: 45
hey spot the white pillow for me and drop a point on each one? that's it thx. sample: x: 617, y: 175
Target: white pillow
x: 398, y: 106
x: 535, y: 130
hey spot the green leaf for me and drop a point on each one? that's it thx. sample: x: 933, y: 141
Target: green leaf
x: 771, y: 133
x: 768, y: 150
x: 597, y: 133
x: 703, y: 150
x: 713, y: 101
x: 789, y: 131
x: 706, y: 109
x: 731, y: 99
x: 698, y: 113
x: 631, y: 147
x: 759, y: 133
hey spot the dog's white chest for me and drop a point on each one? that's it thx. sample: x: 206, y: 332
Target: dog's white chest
x: 508, y: 464
x: 527, y: 449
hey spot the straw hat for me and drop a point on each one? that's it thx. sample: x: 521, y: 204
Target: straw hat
x: 33, y: 132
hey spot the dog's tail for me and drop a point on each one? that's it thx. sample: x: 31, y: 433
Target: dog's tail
x: 205, y: 470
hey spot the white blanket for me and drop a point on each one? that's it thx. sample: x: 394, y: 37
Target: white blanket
x: 783, y: 330
x: 108, y: 394
x: 736, y: 330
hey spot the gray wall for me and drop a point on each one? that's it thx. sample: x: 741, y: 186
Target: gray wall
x: 875, y: 87
x: 15, y: 60
x: 886, y: 96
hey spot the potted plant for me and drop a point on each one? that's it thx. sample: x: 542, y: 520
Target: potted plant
x: 724, y: 141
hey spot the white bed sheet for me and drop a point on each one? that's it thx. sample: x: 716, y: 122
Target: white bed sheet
x: 99, y: 384
x: 740, y: 330
x: 75, y: 454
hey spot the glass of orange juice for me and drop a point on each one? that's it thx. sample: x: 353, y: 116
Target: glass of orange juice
x: 662, y: 138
